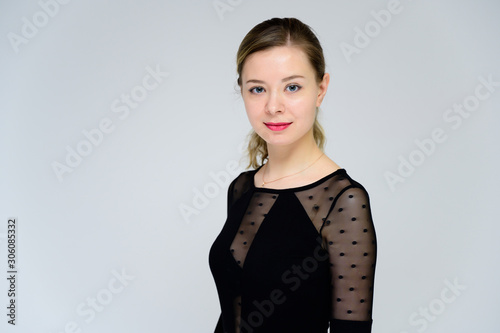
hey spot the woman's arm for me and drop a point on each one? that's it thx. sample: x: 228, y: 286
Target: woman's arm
x: 351, y: 243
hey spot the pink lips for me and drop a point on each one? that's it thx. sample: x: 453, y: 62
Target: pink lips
x: 277, y: 126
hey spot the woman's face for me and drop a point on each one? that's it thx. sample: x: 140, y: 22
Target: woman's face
x: 281, y: 94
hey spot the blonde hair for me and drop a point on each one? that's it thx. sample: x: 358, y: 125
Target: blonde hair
x: 281, y: 32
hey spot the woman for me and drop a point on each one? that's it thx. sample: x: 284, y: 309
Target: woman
x: 297, y: 252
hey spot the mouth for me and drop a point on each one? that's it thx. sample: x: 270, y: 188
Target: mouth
x: 277, y: 126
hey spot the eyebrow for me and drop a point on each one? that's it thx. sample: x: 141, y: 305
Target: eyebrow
x: 288, y: 78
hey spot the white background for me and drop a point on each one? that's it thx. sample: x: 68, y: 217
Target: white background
x: 119, y: 209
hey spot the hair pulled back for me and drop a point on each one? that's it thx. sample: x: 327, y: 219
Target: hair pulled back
x: 281, y: 32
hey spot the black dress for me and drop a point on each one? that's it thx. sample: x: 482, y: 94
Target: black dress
x: 296, y: 260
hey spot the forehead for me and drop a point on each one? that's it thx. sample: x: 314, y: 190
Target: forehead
x: 277, y: 61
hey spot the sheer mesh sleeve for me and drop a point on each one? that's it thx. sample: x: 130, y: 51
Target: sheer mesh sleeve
x: 238, y: 187
x: 350, y: 239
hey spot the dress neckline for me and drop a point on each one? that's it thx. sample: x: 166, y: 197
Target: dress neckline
x: 294, y: 189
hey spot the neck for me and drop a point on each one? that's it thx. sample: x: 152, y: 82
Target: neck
x: 285, y: 160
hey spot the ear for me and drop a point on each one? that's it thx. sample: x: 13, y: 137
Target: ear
x: 322, y: 88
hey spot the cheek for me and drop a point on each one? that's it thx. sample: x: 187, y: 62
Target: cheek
x: 304, y: 108
x: 253, y: 111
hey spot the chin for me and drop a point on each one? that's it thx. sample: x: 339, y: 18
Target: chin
x: 278, y: 142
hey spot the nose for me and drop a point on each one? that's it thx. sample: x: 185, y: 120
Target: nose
x: 275, y: 103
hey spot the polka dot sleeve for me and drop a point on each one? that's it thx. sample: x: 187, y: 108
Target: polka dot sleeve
x: 350, y: 239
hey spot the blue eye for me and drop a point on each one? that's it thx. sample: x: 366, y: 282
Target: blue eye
x: 257, y: 90
x: 293, y: 87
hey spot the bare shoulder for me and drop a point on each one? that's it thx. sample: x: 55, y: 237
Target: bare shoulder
x: 325, y: 167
